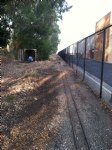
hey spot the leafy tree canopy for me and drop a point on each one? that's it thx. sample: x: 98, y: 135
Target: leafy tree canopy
x: 34, y: 23
x: 4, y: 25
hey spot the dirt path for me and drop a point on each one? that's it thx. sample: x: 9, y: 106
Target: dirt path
x: 38, y: 110
x: 34, y: 109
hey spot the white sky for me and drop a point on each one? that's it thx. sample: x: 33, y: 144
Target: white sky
x: 80, y: 21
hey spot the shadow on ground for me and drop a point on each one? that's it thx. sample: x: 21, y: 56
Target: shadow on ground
x: 31, y: 124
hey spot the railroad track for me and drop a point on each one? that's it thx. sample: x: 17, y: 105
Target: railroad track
x: 80, y: 137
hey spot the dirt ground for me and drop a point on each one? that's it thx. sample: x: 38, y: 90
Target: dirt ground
x: 35, y: 110
x: 33, y: 107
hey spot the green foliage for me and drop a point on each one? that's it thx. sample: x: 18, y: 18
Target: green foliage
x: 35, y: 24
x: 4, y: 32
x: 4, y: 26
x: 10, y: 98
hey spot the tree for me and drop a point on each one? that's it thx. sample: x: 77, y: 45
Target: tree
x: 35, y: 24
x: 4, y: 26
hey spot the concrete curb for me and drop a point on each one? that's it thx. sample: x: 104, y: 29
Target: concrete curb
x: 94, y: 83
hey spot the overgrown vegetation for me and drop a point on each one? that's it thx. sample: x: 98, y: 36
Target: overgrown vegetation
x: 31, y: 24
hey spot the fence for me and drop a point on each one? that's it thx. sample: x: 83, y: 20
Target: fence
x: 91, y: 57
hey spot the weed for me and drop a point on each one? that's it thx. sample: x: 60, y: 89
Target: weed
x: 10, y: 98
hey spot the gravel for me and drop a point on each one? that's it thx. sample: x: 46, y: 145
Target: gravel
x: 46, y: 107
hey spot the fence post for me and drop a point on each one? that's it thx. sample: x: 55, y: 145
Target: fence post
x: 72, y: 56
x: 84, y: 59
x: 102, y: 63
x: 77, y: 58
x: 69, y: 56
x: 66, y: 56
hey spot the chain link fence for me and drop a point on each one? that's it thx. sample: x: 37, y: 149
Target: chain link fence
x: 91, y: 57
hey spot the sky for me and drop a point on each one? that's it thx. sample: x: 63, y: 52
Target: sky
x: 80, y: 21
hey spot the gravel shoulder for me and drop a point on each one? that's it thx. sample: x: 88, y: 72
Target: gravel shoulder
x: 93, y: 126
